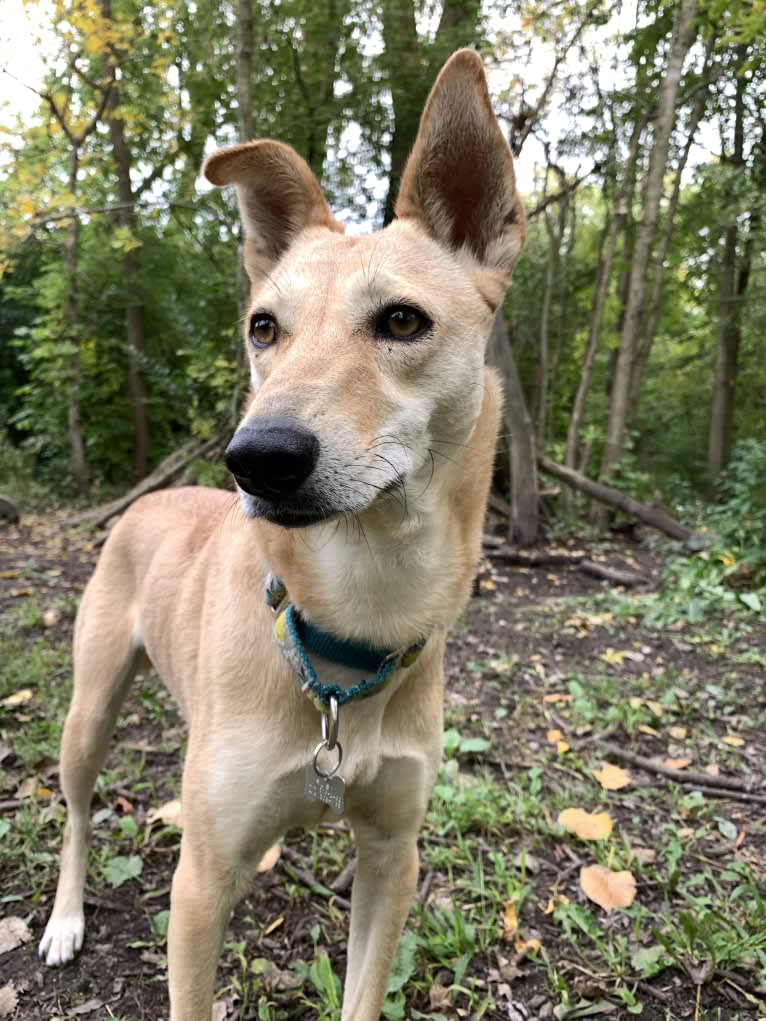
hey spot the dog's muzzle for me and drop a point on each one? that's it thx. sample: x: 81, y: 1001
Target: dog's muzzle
x: 271, y: 457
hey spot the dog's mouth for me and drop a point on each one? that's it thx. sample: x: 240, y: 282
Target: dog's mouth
x: 303, y: 510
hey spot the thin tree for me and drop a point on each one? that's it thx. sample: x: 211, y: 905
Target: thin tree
x: 684, y: 34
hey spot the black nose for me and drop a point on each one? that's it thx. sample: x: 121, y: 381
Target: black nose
x: 272, y: 457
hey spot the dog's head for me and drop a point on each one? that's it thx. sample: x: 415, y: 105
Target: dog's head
x: 367, y: 353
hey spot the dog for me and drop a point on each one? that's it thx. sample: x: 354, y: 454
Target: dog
x: 302, y: 630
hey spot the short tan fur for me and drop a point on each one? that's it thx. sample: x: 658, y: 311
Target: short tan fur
x: 368, y: 382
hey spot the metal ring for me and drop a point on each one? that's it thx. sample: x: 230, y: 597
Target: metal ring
x: 324, y: 773
x: 330, y: 725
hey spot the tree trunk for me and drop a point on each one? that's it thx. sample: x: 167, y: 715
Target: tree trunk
x: 729, y: 324
x: 246, y: 129
x: 564, y: 328
x: 644, y: 348
x: 524, y: 521
x: 245, y: 69
x: 599, y: 299
x: 411, y: 71
x: 683, y: 37
x: 72, y: 315
x: 131, y: 269
x: 555, y: 237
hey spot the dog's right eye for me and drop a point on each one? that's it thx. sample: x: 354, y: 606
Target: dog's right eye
x: 263, y: 330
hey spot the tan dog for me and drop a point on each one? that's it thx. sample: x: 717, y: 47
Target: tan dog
x: 372, y: 426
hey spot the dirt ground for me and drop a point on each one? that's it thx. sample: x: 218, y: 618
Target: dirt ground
x: 530, y: 637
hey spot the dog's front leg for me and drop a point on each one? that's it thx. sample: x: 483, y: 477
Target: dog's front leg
x: 201, y: 901
x: 384, y: 885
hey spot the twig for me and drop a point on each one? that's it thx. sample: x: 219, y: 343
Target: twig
x: 682, y: 776
x: 296, y: 866
x: 344, y: 880
x: 613, y: 574
x: 425, y: 887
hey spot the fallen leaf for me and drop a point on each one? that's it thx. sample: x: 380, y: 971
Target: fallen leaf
x: 510, y: 921
x: 554, y: 901
x: 644, y: 855
x: 527, y: 946
x: 678, y: 733
x: 272, y: 926
x: 220, y: 1010
x: 169, y: 814
x: 606, y: 888
x: 85, y: 1008
x: 270, y: 859
x: 557, y: 696
x: 713, y: 769
x: 732, y: 741
x: 439, y: 998
x: 51, y: 618
x: 552, y: 736
x: 677, y: 763
x: 124, y: 805
x: 13, y: 932
x: 646, y: 729
x: 612, y: 778
x: 561, y: 747
x: 613, y: 656
x: 8, y: 1000
x: 586, y: 825
x: 19, y: 697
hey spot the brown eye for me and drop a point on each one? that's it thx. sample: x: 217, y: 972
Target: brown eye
x: 263, y: 330
x: 401, y: 322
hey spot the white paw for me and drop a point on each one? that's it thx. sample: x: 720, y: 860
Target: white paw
x: 62, y: 939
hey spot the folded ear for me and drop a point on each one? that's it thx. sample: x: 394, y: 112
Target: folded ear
x: 459, y: 181
x: 278, y: 197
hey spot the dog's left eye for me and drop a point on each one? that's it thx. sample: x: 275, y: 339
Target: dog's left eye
x: 401, y: 322
x: 263, y: 330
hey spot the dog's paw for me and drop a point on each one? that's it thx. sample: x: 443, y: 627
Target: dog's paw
x: 62, y: 940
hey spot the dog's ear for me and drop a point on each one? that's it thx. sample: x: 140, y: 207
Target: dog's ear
x: 278, y: 197
x: 459, y: 181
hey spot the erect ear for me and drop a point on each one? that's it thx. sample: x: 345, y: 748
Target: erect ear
x: 459, y: 181
x: 278, y: 197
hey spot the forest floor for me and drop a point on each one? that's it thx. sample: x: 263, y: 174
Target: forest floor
x: 550, y: 675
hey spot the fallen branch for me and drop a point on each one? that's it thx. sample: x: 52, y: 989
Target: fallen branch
x: 683, y: 776
x: 532, y: 558
x: 165, y: 474
x: 613, y: 574
x: 654, y: 516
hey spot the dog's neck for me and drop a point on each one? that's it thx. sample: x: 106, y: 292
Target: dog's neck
x: 393, y: 576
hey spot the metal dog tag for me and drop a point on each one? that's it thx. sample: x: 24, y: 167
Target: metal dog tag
x: 330, y: 790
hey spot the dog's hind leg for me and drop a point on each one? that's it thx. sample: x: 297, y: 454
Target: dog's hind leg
x: 106, y: 657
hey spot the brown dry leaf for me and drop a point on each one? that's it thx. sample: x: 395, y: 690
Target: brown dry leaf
x: 273, y: 926
x: 677, y: 763
x: 612, y: 778
x: 51, y: 618
x: 678, y: 733
x: 270, y: 859
x: 644, y: 855
x: 554, y: 901
x: 713, y: 769
x: 606, y: 888
x: 8, y: 1000
x: 27, y: 788
x: 527, y: 946
x: 168, y: 814
x: 439, y: 998
x: 732, y: 741
x: 19, y: 697
x: 586, y: 825
x: 646, y: 729
x: 125, y: 806
x: 13, y: 932
x: 553, y: 736
x: 655, y: 708
x: 557, y: 696
x: 510, y: 922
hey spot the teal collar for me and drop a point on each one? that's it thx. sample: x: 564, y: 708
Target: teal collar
x: 297, y: 638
